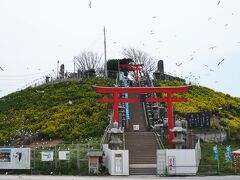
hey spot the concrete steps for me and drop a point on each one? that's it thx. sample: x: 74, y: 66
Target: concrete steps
x: 142, y: 171
x: 142, y: 147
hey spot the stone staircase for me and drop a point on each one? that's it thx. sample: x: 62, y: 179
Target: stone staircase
x: 142, y: 144
x: 142, y: 148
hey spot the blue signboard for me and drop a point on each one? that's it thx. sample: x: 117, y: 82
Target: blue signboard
x: 228, y: 153
x: 125, y: 84
x: 215, y: 151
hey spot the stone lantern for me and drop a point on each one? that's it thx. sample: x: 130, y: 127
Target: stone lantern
x: 179, y: 135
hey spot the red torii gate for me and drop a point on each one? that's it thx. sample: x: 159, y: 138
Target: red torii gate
x: 140, y: 90
x: 132, y: 67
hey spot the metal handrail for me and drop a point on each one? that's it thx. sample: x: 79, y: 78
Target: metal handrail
x: 106, y: 131
x: 159, y: 141
x: 160, y: 144
x: 124, y: 146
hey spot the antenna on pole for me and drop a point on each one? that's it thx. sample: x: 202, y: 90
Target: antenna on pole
x: 57, y: 68
x: 105, y: 53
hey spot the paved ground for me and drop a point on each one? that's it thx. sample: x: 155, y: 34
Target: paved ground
x: 20, y: 177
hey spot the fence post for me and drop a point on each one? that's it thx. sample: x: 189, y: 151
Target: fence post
x: 166, y: 170
x: 78, y: 156
x: 218, y: 168
x: 34, y: 158
x: 55, y: 156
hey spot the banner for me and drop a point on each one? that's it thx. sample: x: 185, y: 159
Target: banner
x: 172, y: 164
x: 15, y: 158
x: 228, y: 153
x: 215, y: 151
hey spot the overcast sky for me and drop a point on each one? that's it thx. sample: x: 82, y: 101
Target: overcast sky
x: 35, y: 34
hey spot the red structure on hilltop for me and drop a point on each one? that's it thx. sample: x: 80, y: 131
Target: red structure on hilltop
x: 143, y: 90
x: 132, y: 67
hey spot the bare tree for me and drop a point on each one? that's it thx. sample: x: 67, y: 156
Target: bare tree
x: 100, y: 71
x: 87, y: 60
x: 140, y: 57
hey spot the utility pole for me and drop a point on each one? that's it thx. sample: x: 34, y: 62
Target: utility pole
x: 74, y: 65
x: 105, y: 53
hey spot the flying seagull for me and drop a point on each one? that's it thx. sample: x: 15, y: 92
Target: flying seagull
x: 213, y: 47
x: 1, y: 68
x: 154, y: 17
x: 218, y: 2
x: 209, y: 18
x: 178, y: 64
x: 220, y: 62
x: 90, y: 4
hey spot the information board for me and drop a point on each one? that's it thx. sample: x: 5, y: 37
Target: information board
x: 64, y: 155
x: 198, y: 120
x: 47, y: 155
x: 15, y: 158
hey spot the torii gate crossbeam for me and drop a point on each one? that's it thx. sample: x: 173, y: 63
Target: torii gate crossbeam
x: 142, y: 90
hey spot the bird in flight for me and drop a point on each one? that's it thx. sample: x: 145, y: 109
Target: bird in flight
x: 90, y: 4
x: 1, y: 68
x: 154, y: 17
x: 191, y: 58
x: 209, y: 18
x: 218, y: 2
x: 220, y: 62
x: 206, y: 65
x: 178, y: 64
x: 213, y: 47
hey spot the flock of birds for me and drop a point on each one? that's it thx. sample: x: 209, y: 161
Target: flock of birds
x: 178, y: 64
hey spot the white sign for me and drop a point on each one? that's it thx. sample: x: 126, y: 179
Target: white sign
x: 118, y: 163
x: 15, y: 158
x: 47, y: 156
x: 64, y: 155
x: 171, y: 164
x: 136, y: 127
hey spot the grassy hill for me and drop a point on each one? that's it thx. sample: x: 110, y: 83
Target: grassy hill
x: 70, y: 110
x: 66, y: 110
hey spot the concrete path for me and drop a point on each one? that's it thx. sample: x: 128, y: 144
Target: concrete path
x: 23, y: 177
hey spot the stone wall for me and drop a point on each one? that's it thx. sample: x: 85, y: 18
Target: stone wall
x: 216, y: 137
